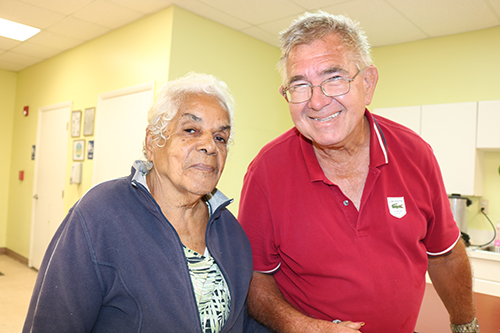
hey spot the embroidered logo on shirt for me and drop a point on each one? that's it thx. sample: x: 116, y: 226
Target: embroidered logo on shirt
x: 397, y: 206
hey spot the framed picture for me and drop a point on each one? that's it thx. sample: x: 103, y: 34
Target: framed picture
x: 76, y: 120
x: 88, y: 123
x: 78, y: 150
x: 90, y: 150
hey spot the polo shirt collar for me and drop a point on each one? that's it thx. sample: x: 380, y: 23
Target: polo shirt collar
x: 378, y: 151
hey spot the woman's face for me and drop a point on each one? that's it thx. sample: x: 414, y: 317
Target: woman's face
x: 193, y: 157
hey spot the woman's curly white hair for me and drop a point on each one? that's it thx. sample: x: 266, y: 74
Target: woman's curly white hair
x: 173, y: 94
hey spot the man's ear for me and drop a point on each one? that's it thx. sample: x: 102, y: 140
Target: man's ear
x: 370, y: 78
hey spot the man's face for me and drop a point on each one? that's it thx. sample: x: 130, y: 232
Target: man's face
x: 329, y: 121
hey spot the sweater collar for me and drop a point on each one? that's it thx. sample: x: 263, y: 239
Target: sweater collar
x: 215, y: 199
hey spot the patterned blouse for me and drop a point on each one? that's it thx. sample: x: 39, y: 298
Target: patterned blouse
x: 212, y: 294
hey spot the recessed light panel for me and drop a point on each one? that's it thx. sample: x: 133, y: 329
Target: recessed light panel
x: 16, y: 30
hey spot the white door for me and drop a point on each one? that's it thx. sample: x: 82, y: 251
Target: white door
x: 49, y: 179
x: 120, y: 128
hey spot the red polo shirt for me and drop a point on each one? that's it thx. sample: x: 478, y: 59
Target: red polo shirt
x: 332, y: 261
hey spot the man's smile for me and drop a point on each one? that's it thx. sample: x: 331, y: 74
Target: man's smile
x: 327, y: 118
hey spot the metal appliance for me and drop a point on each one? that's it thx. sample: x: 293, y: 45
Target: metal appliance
x: 460, y: 211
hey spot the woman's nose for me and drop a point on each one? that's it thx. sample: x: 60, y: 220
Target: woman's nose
x: 207, y: 144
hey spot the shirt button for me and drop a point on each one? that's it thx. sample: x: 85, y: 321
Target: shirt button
x: 346, y: 202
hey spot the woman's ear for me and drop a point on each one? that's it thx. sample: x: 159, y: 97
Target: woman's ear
x: 149, y: 145
x: 370, y: 78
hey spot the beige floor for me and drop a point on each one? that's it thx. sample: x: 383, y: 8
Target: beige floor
x: 16, y: 286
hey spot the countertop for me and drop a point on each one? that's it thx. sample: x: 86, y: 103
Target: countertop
x: 481, y: 254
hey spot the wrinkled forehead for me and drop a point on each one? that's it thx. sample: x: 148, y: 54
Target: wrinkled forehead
x: 320, y: 57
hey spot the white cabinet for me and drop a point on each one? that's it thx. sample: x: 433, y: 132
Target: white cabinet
x: 488, y: 125
x: 486, y: 271
x: 408, y: 116
x: 450, y: 129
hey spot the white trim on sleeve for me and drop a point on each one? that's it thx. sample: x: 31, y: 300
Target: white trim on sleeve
x: 272, y: 270
x: 448, y: 249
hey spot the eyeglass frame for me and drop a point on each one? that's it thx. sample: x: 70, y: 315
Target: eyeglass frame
x: 321, y: 86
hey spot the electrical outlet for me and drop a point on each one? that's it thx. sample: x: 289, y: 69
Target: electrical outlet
x: 483, y: 205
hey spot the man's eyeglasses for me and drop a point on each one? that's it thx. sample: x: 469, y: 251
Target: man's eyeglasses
x: 332, y: 87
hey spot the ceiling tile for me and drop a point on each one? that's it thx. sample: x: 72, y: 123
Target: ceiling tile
x: 76, y: 28
x: 275, y: 27
x: 65, y: 7
x: 7, y: 43
x: 212, y: 13
x: 317, y: 4
x: 24, y: 13
x: 35, y: 50
x: 107, y: 14
x: 378, y: 20
x: 439, y: 18
x: 256, y: 11
x: 9, y: 66
x: 386, y: 22
x: 17, y: 58
x: 55, y: 41
x: 144, y: 6
x: 495, y: 4
x: 262, y: 35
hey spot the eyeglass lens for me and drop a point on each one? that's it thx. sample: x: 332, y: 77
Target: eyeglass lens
x: 331, y: 88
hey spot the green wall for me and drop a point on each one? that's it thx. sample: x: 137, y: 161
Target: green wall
x: 248, y: 67
x: 7, y: 100
x: 168, y: 44
x: 458, y: 68
x: 138, y: 53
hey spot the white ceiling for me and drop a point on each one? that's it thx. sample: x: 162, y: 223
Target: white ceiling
x: 68, y: 23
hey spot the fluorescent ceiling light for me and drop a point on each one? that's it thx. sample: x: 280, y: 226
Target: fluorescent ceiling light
x: 16, y: 31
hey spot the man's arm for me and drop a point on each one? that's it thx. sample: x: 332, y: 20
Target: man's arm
x: 268, y: 306
x: 452, y: 278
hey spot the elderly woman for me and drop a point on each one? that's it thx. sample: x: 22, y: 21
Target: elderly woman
x: 156, y: 251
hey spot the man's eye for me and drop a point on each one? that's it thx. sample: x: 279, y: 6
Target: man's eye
x: 300, y: 87
x: 335, y: 78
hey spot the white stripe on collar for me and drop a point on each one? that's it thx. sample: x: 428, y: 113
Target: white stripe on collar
x: 380, y: 142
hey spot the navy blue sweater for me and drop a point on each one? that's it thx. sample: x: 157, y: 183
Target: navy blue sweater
x: 117, y: 265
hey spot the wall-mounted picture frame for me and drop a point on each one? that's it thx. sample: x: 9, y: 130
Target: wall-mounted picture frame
x: 76, y: 121
x: 90, y: 150
x: 88, y: 123
x: 78, y: 150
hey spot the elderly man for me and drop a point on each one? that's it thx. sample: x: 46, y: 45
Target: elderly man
x: 347, y: 211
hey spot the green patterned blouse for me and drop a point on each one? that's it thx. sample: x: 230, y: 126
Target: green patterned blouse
x: 212, y: 294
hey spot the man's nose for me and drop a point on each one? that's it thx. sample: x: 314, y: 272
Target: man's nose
x: 318, y: 99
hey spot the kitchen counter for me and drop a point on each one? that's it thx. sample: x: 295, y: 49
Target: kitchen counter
x: 433, y: 317
x: 482, y: 254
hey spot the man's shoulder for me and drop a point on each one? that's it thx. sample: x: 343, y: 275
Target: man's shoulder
x: 390, y: 127
x: 281, y: 145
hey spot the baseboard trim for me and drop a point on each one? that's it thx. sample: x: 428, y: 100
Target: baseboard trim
x: 14, y: 255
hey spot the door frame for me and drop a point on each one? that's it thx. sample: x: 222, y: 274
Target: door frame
x: 67, y: 105
x: 148, y: 86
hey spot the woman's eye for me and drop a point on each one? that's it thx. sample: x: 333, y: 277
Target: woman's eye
x: 189, y: 130
x: 220, y: 139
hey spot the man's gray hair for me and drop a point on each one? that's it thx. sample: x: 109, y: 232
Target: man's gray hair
x: 310, y: 27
